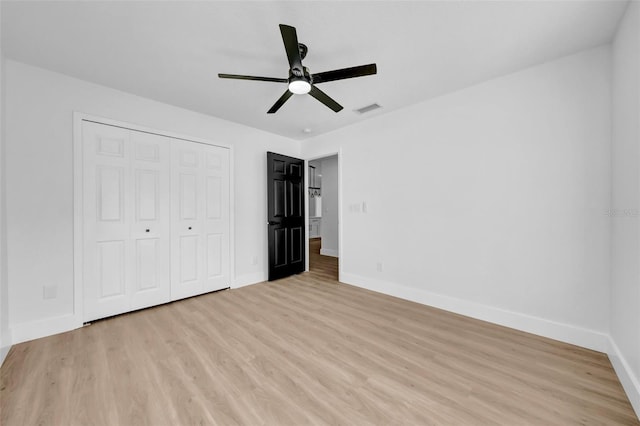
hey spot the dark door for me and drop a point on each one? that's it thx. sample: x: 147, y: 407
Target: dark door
x: 285, y: 180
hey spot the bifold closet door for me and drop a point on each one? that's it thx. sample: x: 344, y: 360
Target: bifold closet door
x: 200, y: 219
x: 151, y: 222
x: 126, y: 220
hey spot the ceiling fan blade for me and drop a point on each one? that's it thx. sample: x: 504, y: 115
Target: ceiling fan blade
x: 325, y: 99
x: 290, y: 39
x: 359, y: 71
x: 280, y: 102
x: 250, y: 77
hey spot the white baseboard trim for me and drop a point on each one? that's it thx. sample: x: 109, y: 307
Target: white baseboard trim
x: 630, y: 383
x: 586, y: 338
x: 3, y: 353
x: 249, y: 279
x: 43, y: 328
x: 329, y: 252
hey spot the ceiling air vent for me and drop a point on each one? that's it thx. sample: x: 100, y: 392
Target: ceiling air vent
x: 367, y: 108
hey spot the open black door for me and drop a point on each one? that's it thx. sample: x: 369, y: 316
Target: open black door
x: 285, y: 180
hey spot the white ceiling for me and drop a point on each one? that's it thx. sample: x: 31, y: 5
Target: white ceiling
x: 172, y: 51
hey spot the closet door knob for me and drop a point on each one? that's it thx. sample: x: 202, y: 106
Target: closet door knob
x: 189, y: 228
x: 146, y: 230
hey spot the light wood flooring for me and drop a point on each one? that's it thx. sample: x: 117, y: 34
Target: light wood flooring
x: 322, y: 267
x: 305, y: 350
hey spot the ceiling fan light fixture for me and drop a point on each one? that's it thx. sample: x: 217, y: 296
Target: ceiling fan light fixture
x: 301, y: 81
x: 299, y: 86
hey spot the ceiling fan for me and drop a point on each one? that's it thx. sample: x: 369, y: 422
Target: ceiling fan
x: 300, y: 81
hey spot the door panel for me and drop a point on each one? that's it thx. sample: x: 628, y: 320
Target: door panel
x: 279, y: 198
x: 216, y: 217
x: 188, y: 196
x: 188, y: 154
x: 201, y: 224
x: 126, y: 220
x: 281, y: 244
x: 295, y: 170
x: 278, y: 165
x: 188, y: 250
x: 106, y: 198
x: 214, y: 255
x: 150, y: 230
x: 216, y: 159
x: 214, y: 197
x: 146, y: 149
x: 111, y: 269
x: 110, y: 190
x: 147, y: 195
x: 147, y: 263
x: 286, y: 217
x: 295, y: 199
x: 297, y: 244
x: 111, y: 142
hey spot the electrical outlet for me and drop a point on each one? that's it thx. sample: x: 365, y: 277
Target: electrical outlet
x: 379, y: 266
x: 254, y: 260
x: 49, y: 292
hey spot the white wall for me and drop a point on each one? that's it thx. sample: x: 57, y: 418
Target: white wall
x: 625, y: 204
x: 329, y: 228
x: 5, y: 339
x: 39, y: 108
x: 489, y: 201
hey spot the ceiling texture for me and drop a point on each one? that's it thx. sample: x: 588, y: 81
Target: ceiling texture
x: 172, y: 51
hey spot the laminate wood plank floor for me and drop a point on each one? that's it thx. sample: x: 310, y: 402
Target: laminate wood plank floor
x: 305, y: 350
x: 325, y: 267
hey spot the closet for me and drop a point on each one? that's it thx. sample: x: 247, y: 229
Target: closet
x: 155, y: 216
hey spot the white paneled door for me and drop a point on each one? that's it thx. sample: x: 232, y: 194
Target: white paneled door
x: 107, y: 246
x: 200, y: 219
x: 216, y: 217
x: 151, y: 220
x: 155, y: 219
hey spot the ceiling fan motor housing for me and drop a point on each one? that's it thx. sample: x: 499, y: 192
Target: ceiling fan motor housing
x: 300, y: 74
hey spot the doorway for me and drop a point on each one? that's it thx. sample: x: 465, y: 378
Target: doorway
x: 323, y: 232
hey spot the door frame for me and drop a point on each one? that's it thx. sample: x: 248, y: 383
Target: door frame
x: 306, y: 201
x: 78, y: 218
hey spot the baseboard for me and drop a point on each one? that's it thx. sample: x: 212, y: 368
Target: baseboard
x: 586, y: 338
x: 249, y: 279
x: 43, y: 328
x: 329, y: 252
x: 3, y: 353
x: 630, y: 383
x: 50, y: 326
